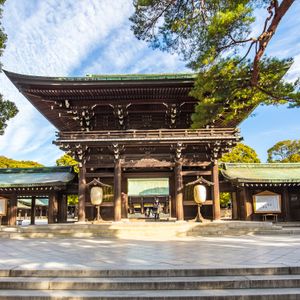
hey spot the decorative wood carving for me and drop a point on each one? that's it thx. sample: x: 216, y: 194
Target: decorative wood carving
x: 121, y: 113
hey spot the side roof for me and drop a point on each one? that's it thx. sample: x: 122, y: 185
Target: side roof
x: 276, y: 173
x: 36, y: 177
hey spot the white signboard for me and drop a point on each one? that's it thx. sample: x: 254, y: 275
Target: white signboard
x: 267, y: 203
x: 3, y: 207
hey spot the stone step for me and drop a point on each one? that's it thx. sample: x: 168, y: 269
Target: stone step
x: 135, y: 230
x: 140, y: 273
x: 151, y: 283
x: 233, y: 294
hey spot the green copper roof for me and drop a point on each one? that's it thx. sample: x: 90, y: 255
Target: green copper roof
x: 15, y: 77
x: 262, y: 173
x: 134, y: 77
x: 30, y: 177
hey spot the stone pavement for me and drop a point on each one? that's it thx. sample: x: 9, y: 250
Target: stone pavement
x: 187, y: 252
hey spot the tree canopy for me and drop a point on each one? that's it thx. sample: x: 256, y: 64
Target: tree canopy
x: 285, y: 151
x: 7, y: 108
x: 11, y: 163
x: 241, y: 153
x: 216, y: 40
x: 67, y: 160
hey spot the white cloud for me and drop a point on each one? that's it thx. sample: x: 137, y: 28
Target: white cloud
x: 49, y: 38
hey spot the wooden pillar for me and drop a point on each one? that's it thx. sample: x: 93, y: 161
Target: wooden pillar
x: 32, y: 211
x: 12, y: 213
x: 81, y: 194
x: 216, y: 191
x: 249, y: 204
x: 62, y: 208
x: 52, y: 208
x: 244, y: 214
x: 124, y: 198
x: 234, y: 206
x: 172, y: 200
x: 179, y: 190
x: 117, y: 191
x: 286, y: 204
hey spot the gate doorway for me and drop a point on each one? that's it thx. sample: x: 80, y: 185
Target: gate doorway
x: 148, y: 198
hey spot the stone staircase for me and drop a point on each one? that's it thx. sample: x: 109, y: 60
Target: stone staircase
x: 151, y: 230
x: 235, y: 283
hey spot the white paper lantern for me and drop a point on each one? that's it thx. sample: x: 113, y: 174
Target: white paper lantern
x: 96, y: 195
x: 199, y: 193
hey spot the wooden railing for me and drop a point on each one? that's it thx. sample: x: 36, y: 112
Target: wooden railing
x: 162, y: 134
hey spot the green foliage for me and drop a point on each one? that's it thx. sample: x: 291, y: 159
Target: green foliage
x: 210, y: 34
x: 7, y: 111
x: 7, y: 108
x: 3, y: 36
x: 225, y: 199
x: 67, y: 160
x: 200, y: 30
x: 11, y: 163
x: 224, y: 90
x: 72, y: 199
x: 285, y: 151
x: 241, y: 153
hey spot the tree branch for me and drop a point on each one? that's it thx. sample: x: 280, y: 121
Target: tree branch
x: 267, y: 35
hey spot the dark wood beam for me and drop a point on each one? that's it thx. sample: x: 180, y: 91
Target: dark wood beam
x: 216, y: 191
x: 179, y: 190
x: 32, y: 211
x: 81, y: 193
x: 196, y: 173
x: 117, y: 191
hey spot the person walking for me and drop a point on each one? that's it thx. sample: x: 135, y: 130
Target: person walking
x: 156, y: 209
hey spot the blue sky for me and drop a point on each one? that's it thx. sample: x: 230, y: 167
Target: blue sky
x: 76, y: 37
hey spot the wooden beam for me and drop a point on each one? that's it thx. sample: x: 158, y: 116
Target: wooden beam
x: 117, y: 191
x: 234, y: 206
x: 101, y: 174
x: 216, y: 191
x: 32, y: 211
x: 147, y: 174
x: 81, y: 193
x: 52, y: 208
x: 179, y: 190
x: 286, y: 204
x: 62, y: 208
x: 145, y: 164
x: 12, y: 209
x: 196, y: 173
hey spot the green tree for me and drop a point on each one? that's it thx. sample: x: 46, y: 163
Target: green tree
x: 215, y: 38
x: 241, y: 153
x: 285, y: 151
x: 67, y: 160
x: 7, y: 108
x: 11, y: 163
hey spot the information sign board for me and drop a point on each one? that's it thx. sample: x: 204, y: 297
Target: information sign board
x: 3, y: 207
x: 267, y: 202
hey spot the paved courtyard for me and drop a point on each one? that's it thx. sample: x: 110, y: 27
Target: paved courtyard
x: 101, y: 253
